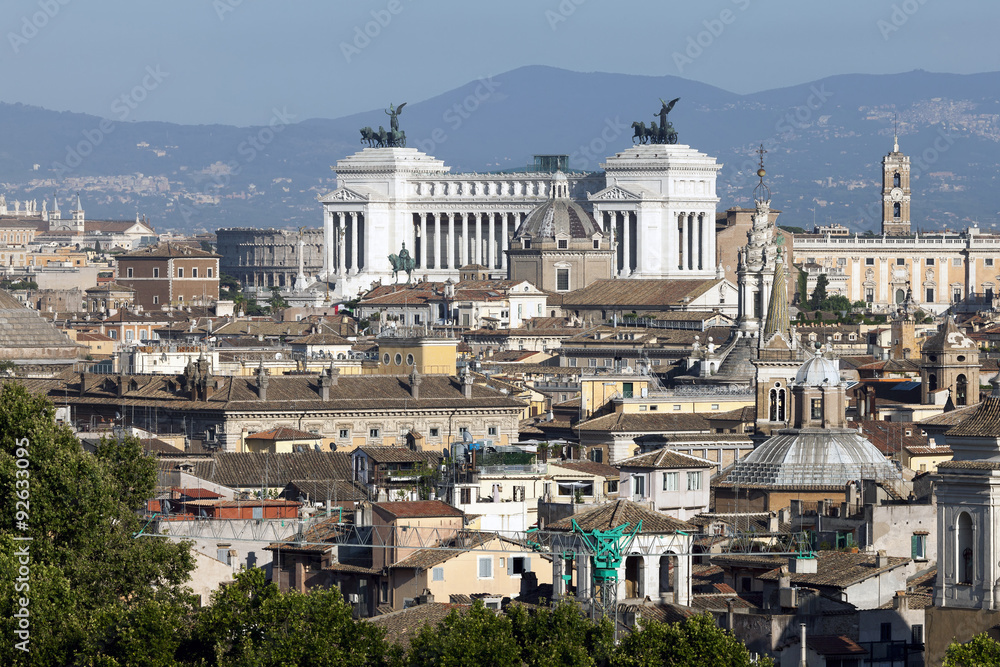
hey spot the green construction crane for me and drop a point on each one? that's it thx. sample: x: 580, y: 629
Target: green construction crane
x: 607, y: 547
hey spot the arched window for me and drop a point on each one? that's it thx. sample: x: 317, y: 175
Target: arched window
x: 932, y: 382
x: 961, y: 390
x: 776, y: 405
x: 900, y: 296
x: 895, y: 210
x: 895, y: 180
x: 966, y: 555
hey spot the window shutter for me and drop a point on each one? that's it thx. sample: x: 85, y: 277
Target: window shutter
x: 915, y: 546
x: 510, y: 567
x: 527, y: 564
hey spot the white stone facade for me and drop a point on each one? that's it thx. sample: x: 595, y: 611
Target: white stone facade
x: 657, y: 201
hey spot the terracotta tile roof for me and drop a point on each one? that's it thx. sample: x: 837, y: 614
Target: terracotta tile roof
x: 926, y: 450
x: 318, y: 538
x: 984, y: 422
x: 663, y: 459
x: 197, y: 493
x: 284, y: 433
x: 417, y: 509
x: 638, y: 422
x: 320, y: 339
x: 969, y: 465
x: 444, y: 550
x: 247, y: 469
x: 747, y: 413
x: 318, y: 490
x: 590, y: 468
x: 645, y: 294
x: 291, y: 392
x: 611, y: 515
x: 835, y: 569
x: 719, y: 601
x: 402, y: 626
x: 395, y: 455
x: 890, y: 436
x: 946, y: 420
x: 834, y: 645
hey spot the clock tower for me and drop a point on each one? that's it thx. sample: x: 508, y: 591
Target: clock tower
x: 896, y: 192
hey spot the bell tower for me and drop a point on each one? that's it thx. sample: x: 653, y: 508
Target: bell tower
x: 896, y: 192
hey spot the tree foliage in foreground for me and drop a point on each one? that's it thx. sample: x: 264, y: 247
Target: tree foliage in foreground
x: 695, y: 641
x: 979, y: 651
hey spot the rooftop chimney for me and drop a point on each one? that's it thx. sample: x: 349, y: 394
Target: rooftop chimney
x: 262, y: 382
x: 415, y: 380
x: 467, y: 384
x: 881, y: 559
x: 899, y: 601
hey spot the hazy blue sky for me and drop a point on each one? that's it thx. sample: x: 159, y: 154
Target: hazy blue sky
x: 233, y: 61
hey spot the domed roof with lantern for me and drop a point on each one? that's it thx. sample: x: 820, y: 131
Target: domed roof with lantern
x: 560, y: 216
x: 818, y: 371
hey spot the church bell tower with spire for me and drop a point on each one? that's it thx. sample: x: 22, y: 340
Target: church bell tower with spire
x: 896, y: 191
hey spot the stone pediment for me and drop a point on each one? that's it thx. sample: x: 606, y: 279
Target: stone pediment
x: 347, y: 195
x: 616, y: 193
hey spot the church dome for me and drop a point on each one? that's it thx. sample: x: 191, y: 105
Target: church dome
x: 829, y: 457
x: 559, y: 216
x: 818, y: 371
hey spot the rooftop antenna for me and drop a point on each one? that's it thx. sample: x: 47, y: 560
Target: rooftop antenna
x: 895, y: 133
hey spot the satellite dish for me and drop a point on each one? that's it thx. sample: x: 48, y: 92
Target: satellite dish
x: 466, y: 436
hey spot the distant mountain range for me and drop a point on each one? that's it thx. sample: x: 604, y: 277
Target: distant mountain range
x: 824, y: 142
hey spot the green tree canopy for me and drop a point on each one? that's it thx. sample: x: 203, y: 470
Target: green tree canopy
x: 252, y: 623
x: 980, y: 650
x: 89, y: 578
x: 695, y: 641
x: 819, y: 292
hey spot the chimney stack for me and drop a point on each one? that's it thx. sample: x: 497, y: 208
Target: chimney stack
x: 467, y: 384
x: 415, y: 380
x: 881, y: 559
x: 262, y: 382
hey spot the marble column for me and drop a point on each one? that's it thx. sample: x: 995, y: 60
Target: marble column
x: 450, y: 245
x: 477, y: 246
x: 464, y: 255
x: 627, y: 242
x: 436, y: 260
x: 491, y: 243
x: 329, y: 239
x: 504, y: 227
x: 684, y: 242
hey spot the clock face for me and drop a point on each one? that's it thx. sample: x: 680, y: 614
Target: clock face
x: 896, y: 194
